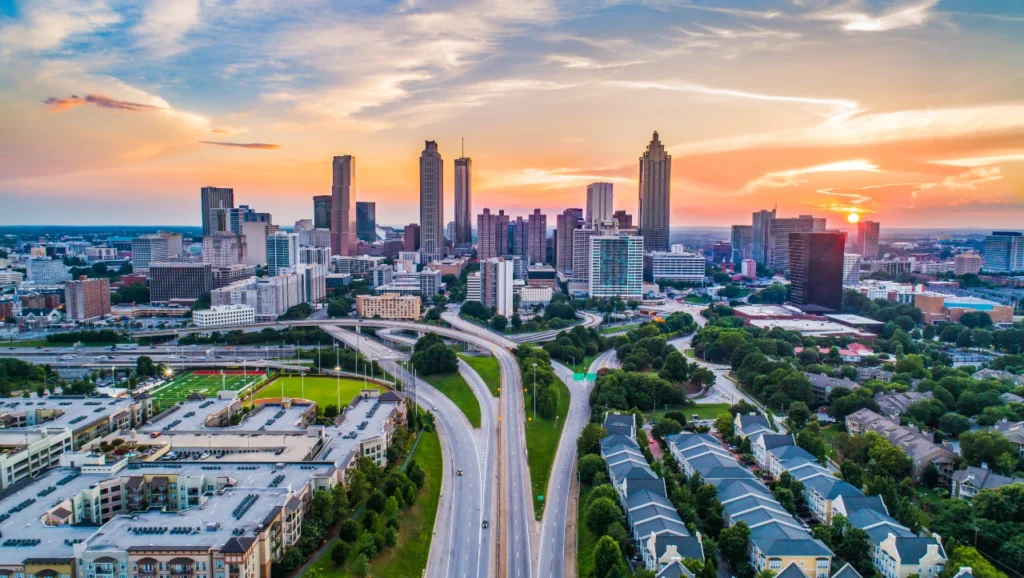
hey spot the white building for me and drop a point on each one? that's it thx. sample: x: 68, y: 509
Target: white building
x: 224, y: 249
x: 535, y: 295
x: 255, y: 233
x: 10, y: 278
x: 496, y: 285
x: 46, y: 271
x: 617, y: 266
x: 473, y: 286
x: 599, y: 203
x: 315, y: 256
x: 282, y: 252
x: 851, y: 268
x: 674, y: 266
x: 224, y: 315
x: 748, y: 268
x: 355, y: 265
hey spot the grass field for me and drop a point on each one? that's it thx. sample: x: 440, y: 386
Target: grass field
x: 184, y: 384
x: 487, y: 368
x: 704, y: 411
x: 409, y: 558
x: 457, y: 390
x: 542, y: 437
x: 618, y: 328
x: 322, y: 390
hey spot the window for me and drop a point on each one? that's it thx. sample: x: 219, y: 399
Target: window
x: 775, y: 564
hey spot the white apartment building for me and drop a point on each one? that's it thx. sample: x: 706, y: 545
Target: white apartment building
x: 10, y: 278
x: 473, y: 286
x: 46, y: 271
x: 851, y: 268
x: 535, y: 295
x: 218, y: 315
x: 674, y: 266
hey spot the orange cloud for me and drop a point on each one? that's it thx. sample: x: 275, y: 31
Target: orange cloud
x: 55, y: 104
x: 242, y: 145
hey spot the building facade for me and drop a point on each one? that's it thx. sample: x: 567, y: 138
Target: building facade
x: 463, y: 201
x: 179, y: 281
x: 761, y: 237
x: 741, y: 239
x: 46, y: 271
x: 565, y: 224
x: 389, y: 306
x: 967, y: 263
x: 366, y: 221
x: 617, y: 266
x: 781, y: 228
x: 214, y: 198
x: 537, y: 237
x: 851, y: 268
x: 343, y: 205
x: 282, y: 252
x: 496, y: 285
x: 1004, y: 252
x: 148, y: 249
x: 491, y: 234
x: 224, y: 249
x: 322, y: 212
x: 673, y: 266
x: 224, y: 315
x: 87, y: 298
x: 867, y: 239
x: 655, y: 195
x: 816, y: 264
x: 600, y: 197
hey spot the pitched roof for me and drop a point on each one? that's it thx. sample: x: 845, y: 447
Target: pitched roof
x: 676, y: 570
x: 981, y: 478
x: 847, y: 571
x: 912, y: 549
x: 792, y: 571
x: 686, y: 546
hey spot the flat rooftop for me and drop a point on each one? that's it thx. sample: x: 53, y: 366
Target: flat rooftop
x: 74, y: 412
x: 811, y: 327
x: 849, y: 319
x: 754, y: 311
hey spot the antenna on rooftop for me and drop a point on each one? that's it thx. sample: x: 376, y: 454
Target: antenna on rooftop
x: 463, y: 147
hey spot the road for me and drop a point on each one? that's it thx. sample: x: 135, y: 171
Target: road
x: 514, y: 500
x: 460, y: 546
x: 551, y: 556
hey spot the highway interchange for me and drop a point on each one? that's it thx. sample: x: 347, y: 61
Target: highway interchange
x: 494, y: 484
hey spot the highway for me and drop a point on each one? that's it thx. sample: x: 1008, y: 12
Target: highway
x: 461, y: 546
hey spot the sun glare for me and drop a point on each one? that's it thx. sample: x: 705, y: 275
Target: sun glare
x: 853, y: 217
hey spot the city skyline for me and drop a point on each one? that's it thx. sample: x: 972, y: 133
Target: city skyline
x: 759, y: 104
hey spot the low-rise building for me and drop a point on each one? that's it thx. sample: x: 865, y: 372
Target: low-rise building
x: 823, y: 385
x: 389, y: 306
x: 920, y: 449
x: 894, y: 404
x: 218, y: 315
x: 967, y: 483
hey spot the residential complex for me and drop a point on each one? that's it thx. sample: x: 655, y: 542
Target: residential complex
x: 389, y: 306
x: 87, y: 299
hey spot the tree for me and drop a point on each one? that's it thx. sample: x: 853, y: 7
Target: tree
x: 724, y: 424
x: 954, y: 424
x: 798, y: 414
x: 390, y: 537
x: 144, y: 366
x: 733, y: 542
x: 852, y: 473
x: 349, y: 531
x: 339, y: 553
x: 600, y: 513
x: 589, y: 441
x: 985, y: 446
x: 962, y: 555
x: 607, y: 556
x: 926, y: 411
x: 339, y: 307
x: 590, y: 466
x: 499, y: 323
x: 431, y: 356
x: 766, y: 573
x: 709, y: 570
x: 666, y: 427
x: 811, y: 440
x: 675, y: 369
x: 361, y: 566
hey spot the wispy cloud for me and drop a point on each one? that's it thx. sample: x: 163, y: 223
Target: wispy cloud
x: 793, y: 177
x: 55, y: 104
x: 242, y: 145
x: 903, y: 16
x: 46, y: 24
x: 1009, y: 157
x: 164, y: 25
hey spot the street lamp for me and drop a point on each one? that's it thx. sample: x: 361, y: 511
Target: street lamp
x: 337, y: 369
x: 534, y: 392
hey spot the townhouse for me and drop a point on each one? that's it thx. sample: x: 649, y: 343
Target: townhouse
x: 660, y: 536
x: 1013, y: 431
x: 778, y: 541
x: 967, y: 483
x: 895, y: 404
x: 748, y: 424
x: 822, y: 385
x: 918, y: 447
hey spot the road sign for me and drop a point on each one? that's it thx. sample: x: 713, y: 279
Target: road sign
x: 540, y: 497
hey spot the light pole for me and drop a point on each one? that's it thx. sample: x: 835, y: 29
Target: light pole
x: 303, y: 377
x: 337, y: 374
x: 534, y: 392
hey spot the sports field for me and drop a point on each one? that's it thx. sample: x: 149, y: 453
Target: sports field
x: 322, y: 390
x: 207, y: 382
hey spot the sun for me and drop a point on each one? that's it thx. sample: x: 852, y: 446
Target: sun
x: 853, y: 217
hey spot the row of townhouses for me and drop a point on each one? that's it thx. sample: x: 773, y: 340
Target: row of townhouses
x: 660, y: 535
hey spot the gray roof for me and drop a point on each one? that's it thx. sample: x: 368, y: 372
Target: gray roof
x: 676, y: 570
x: 912, y: 549
x: 981, y: 478
x: 830, y: 488
x: 792, y: 571
x: 772, y: 441
x: 824, y: 382
x: 686, y: 546
x: 847, y: 571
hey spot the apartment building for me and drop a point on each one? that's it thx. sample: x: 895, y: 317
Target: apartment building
x: 921, y: 450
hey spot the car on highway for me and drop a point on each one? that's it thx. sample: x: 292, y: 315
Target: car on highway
x: 458, y: 472
x: 485, y: 525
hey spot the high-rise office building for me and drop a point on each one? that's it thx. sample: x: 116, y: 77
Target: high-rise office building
x: 255, y: 235
x: 600, y: 197
x: 463, y: 202
x: 1004, y: 252
x: 322, y: 212
x: 761, y: 237
x: 816, y: 262
x: 851, y: 268
x: 87, y: 298
x: 617, y: 266
x: 431, y: 202
x: 343, y: 205
x: 366, y: 221
x: 565, y: 224
x: 537, y: 237
x: 623, y: 219
x: 520, y: 239
x: 781, y: 228
x: 148, y: 249
x: 491, y: 234
x: 741, y: 240
x: 282, y: 252
x: 655, y: 195
x: 411, y: 237
x: 581, y: 253
x: 214, y: 198
x: 867, y: 239
x: 179, y: 281
x: 224, y: 249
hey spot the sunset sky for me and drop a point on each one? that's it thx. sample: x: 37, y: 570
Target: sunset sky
x: 910, y: 112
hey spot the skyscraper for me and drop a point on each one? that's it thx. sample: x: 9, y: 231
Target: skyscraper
x: 411, y: 237
x: 565, y: 224
x: 537, y: 237
x: 599, y: 203
x: 214, y: 198
x: 496, y: 285
x: 623, y: 219
x: 761, y: 237
x: 491, y: 234
x: 463, y: 202
x: 322, y: 212
x: 741, y: 238
x: 1004, y: 252
x: 851, y: 268
x: 366, y: 221
x: 148, y: 249
x: 867, y: 239
x: 781, y: 228
x: 520, y: 240
x: 343, y: 206
x: 282, y: 252
x: 816, y: 261
x: 431, y: 202
x: 655, y: 195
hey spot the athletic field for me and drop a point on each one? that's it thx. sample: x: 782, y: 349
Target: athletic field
x: 206, y: 382
x: 322, y: 390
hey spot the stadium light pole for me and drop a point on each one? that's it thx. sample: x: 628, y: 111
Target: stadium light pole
x: 337, y: 373
x: 534, y: 392
x: 303, y: 374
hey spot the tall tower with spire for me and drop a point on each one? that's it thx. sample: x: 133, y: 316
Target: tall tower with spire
x: 431, y: 202
x: 463, y: 200
x: 655, y: 196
